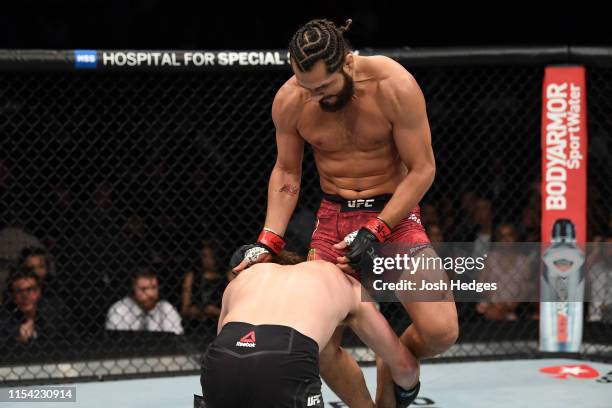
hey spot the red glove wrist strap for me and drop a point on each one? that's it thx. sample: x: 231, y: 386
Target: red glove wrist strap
x: 379, y: 228
x: 271, y: 240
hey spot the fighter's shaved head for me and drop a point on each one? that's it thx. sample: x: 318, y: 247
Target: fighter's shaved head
x: 319, y: 40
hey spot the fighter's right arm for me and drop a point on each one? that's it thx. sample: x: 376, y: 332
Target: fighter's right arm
x: 285, y: 180
x: 371, y: 327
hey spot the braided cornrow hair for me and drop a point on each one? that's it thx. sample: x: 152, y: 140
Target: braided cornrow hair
x: 319, y: 40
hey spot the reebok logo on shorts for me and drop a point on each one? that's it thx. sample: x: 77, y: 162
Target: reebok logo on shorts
x: 248, y: 340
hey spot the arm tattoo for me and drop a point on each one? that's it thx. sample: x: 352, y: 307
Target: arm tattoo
x: 289, y: 189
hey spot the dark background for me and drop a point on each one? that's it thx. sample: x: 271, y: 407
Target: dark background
x: 157, y: 24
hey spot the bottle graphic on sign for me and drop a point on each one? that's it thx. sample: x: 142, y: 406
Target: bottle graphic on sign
x: 562, y: 290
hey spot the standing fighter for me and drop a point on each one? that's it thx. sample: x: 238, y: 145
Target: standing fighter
x: 366, y: 121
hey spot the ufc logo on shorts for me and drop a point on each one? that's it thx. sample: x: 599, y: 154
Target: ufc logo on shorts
x: 313, y: 400
x: 360, y: 203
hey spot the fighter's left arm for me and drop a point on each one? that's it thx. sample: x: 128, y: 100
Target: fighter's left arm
x: 404, y: 105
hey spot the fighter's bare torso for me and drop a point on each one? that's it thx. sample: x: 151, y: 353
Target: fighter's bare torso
x: 272, y: 294
x: 354, y: 148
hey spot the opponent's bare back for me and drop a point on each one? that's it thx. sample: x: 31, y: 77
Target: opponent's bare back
x: 311, y: 297
x: 358, y: 150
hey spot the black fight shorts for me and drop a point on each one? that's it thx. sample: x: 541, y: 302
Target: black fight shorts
x: 264, y: 366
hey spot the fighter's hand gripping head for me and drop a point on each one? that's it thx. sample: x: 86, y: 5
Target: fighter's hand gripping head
x: 269, y: 243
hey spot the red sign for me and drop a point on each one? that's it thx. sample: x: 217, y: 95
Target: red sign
x: 564, y: 149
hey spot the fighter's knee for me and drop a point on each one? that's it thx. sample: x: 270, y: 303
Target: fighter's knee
x: 438, y: 335
x: 451, y: 334
x: 442, y: 335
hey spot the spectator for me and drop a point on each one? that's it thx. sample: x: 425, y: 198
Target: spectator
x: 143, y: 310
x: 511, y: 271
x: 600, y: 308
x: 203, y: 288
x: 31, y: 316
x: 37, y: 259
x: 13, y: 239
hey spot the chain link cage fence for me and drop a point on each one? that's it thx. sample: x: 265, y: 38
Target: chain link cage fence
x: 111, y: 177
x: 599, y: 210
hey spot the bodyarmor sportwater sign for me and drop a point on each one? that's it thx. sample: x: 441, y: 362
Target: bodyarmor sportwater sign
x: 564, y: 186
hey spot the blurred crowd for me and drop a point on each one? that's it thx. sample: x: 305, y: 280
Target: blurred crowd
x: 36, y: 304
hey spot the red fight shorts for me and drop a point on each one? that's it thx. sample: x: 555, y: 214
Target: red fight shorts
x: 337, y: 217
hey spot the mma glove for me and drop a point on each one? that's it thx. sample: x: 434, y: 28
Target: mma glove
x: 268, y: 242
x: 361, y: 242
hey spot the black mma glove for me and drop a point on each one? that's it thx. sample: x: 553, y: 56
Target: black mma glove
x: 361, y: 242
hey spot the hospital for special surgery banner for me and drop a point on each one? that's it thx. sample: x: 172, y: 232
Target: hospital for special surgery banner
x: 564, y: 186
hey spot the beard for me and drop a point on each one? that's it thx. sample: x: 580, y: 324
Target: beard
x: 147, y: 305
x: 342, y: 98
